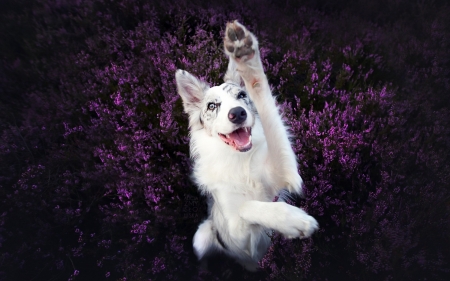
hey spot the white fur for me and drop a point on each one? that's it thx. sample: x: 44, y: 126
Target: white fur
x: 241, y: 185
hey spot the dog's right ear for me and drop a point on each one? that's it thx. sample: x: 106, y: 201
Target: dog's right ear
x: 191, y: 91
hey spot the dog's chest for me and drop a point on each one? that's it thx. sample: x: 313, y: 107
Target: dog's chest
x: 246, y: 175
x: 230, y: 172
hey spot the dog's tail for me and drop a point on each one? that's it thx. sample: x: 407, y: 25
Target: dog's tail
x: 204, y: 239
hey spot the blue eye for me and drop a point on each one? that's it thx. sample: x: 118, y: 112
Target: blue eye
x: 211, y: 106
x: 241, y: 95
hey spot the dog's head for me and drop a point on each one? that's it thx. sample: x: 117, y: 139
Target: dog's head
x: 225, y: 112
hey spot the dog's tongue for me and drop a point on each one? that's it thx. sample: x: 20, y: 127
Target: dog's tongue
x: 240, y: 137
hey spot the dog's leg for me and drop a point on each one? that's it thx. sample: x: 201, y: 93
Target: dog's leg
x: 239, y: 215
x: 236, y: 217
x: 242, y: 48
x: 290, y: 221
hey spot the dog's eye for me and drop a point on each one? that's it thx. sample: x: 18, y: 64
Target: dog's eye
x: 211, y: 106
x: 241, y: 95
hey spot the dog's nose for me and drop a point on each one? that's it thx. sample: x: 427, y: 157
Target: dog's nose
x: 237, y: 115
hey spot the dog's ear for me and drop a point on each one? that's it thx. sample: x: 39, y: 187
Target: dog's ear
x: 191, y: 91
x: 232, y: 75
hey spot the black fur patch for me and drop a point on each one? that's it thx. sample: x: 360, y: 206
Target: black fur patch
x: 219, y: 239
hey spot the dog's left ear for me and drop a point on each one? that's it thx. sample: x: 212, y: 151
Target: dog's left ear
x: 191, y: 91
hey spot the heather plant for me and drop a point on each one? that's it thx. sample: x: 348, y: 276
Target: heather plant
x: 94, y: 178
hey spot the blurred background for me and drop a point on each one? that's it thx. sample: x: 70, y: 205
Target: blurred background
x: 94, y: 155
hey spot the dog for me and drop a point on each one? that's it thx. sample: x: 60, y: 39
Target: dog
x: 242, y: 157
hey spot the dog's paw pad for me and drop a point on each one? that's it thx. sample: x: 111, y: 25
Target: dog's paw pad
x: 239, y: 42
x: 235, y: 32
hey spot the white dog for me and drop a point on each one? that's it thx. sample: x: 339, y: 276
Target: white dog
x: 242, y: 156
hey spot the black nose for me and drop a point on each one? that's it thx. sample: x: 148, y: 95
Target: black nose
x: 237, y: 115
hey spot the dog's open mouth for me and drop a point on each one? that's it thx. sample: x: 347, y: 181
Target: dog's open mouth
x: 240, y: 139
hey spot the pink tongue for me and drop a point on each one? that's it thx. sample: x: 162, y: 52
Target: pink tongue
x: 240, y: 137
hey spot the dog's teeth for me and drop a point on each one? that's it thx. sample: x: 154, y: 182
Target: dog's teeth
x: 228, y: 136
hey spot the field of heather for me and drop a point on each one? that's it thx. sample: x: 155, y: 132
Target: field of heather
x: 94, y: 156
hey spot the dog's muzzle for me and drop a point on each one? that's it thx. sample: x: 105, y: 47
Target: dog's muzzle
x: 240, y: 139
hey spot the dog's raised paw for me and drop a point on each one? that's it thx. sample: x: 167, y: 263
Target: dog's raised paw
x: 240, y: 44
x: 299, y: 225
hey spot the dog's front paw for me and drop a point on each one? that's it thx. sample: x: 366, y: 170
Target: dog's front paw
x: 240, y: 44
x: 298, y: 224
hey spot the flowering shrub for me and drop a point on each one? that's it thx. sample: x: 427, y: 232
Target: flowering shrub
x: 94, y: 178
